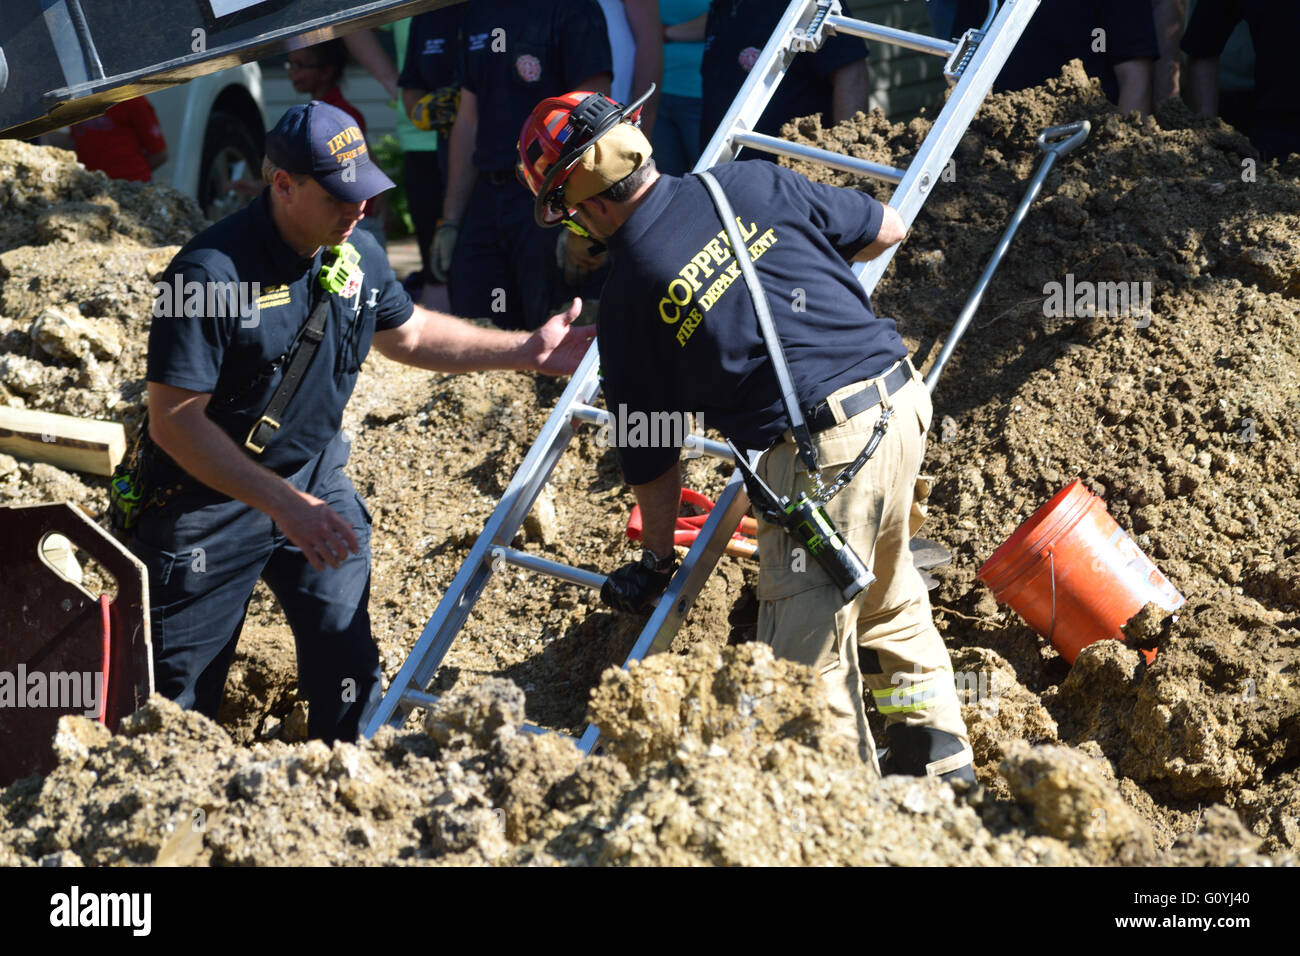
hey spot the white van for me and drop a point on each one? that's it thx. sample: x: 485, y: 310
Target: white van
x: 215, y: 127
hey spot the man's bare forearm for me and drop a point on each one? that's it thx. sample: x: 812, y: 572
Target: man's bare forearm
x: 199, y: 446
x: 660, y: 500
x: 1202, y: 92
x: 411, y: 96
x: 366, y: 50
x: 443, y: 343
x: 1169, y: 17
x: 892, y: 231
x: 648, y: 61
x: 1135, y: 82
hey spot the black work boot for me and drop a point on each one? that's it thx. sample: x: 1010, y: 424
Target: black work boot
x: 912, y: 748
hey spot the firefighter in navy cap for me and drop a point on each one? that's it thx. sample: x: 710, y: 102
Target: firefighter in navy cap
x: 260, y: 326
x: 499, y: 265
x: 678, y: 333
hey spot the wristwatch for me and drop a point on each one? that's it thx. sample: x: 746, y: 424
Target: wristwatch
x: 652, y: 562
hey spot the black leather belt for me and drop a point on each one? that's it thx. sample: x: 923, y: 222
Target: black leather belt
x: 821, y: 416
x: 499, y: 177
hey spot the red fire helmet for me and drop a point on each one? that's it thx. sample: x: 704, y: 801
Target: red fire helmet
x: 554, y: 138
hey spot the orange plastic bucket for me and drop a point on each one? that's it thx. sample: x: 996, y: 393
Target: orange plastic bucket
x: 1074, y: 575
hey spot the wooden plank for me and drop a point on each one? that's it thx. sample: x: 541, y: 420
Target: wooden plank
x: 78, y: 444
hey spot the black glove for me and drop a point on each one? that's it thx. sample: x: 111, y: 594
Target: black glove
x: 633, y: 586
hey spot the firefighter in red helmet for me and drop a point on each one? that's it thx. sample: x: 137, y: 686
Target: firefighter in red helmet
x: 678, y: 334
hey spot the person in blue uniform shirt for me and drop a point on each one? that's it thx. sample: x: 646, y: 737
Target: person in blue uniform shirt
x: 832, y: 81
x: 1274, y: 26
x: 428, y: 91
x: 235, y: 498
x: 500, y: 265
x: 1115, y: 39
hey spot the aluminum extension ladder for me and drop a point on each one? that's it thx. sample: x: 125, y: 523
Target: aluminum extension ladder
x: 972, y: 64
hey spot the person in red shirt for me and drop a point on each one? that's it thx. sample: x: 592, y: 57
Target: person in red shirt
x: 126, y: 142
x: 317, y: 70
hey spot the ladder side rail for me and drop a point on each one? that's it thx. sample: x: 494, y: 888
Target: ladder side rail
x: 950, y: 125
x: 459, y: 599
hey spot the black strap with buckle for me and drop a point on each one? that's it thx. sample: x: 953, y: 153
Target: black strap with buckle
x: 821, y: 416
x: 798, y: 427
x: 312, y: 336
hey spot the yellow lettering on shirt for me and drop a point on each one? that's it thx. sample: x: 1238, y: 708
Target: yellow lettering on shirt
x: 273, y: 296
x: 689, y: 284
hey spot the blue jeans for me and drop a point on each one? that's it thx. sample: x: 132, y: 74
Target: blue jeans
x: 204, y: 556
x: 677, y: 134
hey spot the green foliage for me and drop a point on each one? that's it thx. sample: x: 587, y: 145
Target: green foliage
x: 388, y: 153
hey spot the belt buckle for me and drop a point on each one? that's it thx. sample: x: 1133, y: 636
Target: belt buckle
x: 248, y: 442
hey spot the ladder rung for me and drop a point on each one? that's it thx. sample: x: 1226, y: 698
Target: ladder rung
x: 555, y: 569
x: 418, y: 698
x: 534, y: 729
x: 714, y: 449
x: 875, y: 31
x: 783, y: 147
x: 591, y: 415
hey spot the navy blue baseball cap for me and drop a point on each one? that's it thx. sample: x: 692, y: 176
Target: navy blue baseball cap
x: 323, y: 142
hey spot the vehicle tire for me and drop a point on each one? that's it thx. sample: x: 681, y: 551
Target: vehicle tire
x: 230, y: 153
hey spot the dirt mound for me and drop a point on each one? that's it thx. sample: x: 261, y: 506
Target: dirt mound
x: 733, y: 764
x: 1182, y: 416
x: 78, y: 256
x: 49, y: 198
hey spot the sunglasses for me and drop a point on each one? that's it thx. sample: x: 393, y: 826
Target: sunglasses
x: 575, y: 228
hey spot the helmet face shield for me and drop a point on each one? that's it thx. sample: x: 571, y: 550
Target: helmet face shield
x: 550, y: 206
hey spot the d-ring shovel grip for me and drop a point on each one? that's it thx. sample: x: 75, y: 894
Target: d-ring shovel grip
x: 1061, y: 139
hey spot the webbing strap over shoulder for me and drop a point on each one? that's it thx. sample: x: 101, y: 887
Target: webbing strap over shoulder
x: 802, y: 437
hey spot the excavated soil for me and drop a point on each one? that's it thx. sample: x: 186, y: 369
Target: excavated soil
x: 1184, y: 421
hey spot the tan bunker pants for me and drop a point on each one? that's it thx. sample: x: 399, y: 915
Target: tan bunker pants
x: 888, y: 626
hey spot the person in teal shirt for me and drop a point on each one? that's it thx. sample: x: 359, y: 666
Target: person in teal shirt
x: 677, y: 128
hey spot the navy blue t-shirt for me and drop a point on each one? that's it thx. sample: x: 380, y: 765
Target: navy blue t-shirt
x: 1063, y: 30
x: 431, y: 50
x: 200, y: 343
x: 1274, y: 26
x: 735, y: 33
x: 516, y: 53
x: 677, y: 328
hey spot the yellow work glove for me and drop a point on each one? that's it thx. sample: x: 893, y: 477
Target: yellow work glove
x: 436, y: 110
x: 444, y: 244
x: 575, y: 259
